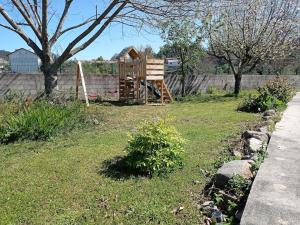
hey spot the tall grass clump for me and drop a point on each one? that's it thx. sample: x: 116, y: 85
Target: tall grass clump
x: 41, y: 120
x: 155, y: 148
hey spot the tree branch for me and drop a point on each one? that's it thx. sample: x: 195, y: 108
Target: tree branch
x: 61, y: 21
x: 17, y: 29
x: 77, y: 26
x: 35, y: 13
x: 7, y: 27
x: 99, y: 32
x: 27, y: 18
x: 66, y: 54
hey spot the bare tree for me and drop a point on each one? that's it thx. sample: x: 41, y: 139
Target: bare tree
x: 39, y: 16
x: 245, y: 33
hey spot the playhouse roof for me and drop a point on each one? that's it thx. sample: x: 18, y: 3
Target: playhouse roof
x: 131, y: 51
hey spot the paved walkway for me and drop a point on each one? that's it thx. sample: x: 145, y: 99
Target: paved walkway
x: 275, y: 194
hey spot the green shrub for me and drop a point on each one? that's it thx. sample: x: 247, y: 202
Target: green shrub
x: 156, y: 148
x: 249, y: 104
x: 40, y: 121
x: 275, y: 94
x: 280, y: 88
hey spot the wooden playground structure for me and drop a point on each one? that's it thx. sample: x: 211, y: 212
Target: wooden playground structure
x: 141, y: 79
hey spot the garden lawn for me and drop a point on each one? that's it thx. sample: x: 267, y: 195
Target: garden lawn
x: 70, y: 180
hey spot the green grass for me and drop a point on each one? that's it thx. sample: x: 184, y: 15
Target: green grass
x: 69, y: 180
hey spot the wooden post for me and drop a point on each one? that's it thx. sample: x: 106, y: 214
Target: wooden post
x: 162, y: 92
x: 119, y: 71
x: 138, y: 80
x: 83, y: 84
x: 77, y: 81
x: 145, y: 78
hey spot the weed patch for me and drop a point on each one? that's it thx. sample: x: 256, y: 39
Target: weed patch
x: 40, y: 121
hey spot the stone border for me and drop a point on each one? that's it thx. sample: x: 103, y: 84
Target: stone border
x: 275, y: 194
x: 255, y: 143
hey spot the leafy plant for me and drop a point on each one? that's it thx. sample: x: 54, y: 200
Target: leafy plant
x: 218, y: 199
x: 275, y: 94
x: 259, y: 160
x: 40, y: 121
x: 238, y: 185
x: 155, y: 148
x: 232, y: 206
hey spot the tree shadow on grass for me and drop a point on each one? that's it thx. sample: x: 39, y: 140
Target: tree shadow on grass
x: 115, y: 103
x: 118, y: 169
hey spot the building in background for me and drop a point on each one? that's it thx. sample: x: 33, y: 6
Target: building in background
x: 4, y: 64
x: 172, y: 62
x: 24, y: 61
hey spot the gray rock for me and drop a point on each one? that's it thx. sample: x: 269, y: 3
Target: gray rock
x: 257, y: 135
x: 270, y: 112
x: 254, y: 157
x: 95, y: 121
x: 254, y: 145
x: 208, y: 204
x: 207, y: 208
x: 265, y: 130
x: 267, y: 118
x: 196, y: 182
x: 228, y: 170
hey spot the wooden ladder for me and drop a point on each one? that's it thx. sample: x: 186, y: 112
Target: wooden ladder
x: 167, y: 97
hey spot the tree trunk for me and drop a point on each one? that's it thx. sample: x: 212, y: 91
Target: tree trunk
x: 183, y: 76
x: 237, y: 85
x: 183, y: 86
x: 50, y: 72
x: 50, y: 81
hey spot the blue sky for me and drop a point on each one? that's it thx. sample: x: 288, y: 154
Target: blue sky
x: 112, y: 41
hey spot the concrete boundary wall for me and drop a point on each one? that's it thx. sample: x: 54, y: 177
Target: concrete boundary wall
x: 107, y: 85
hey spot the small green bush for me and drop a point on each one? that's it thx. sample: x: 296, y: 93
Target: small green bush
x: 40, y: 121
x: 156, y: 148
x: 275, y: 94
x: 280, y: 88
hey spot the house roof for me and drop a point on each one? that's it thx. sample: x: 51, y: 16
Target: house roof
x: 131, y: 51
x: 4, y: 54
x: 21, y: 49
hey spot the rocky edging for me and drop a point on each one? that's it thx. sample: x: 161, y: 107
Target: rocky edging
x: 227, y: 192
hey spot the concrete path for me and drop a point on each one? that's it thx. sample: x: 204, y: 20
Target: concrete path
x: 275, y: 194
